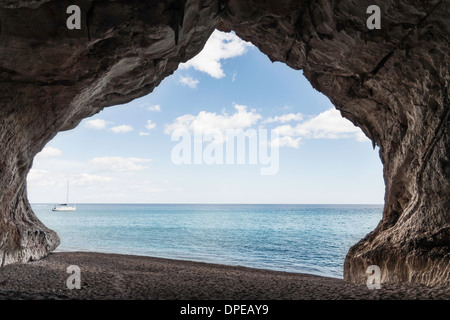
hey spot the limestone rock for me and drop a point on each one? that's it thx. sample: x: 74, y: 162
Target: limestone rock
x: 392, y: 82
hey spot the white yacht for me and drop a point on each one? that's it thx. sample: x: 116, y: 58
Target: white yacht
x: 65, y: 206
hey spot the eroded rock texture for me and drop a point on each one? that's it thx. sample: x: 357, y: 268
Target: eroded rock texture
x: 391, y: 82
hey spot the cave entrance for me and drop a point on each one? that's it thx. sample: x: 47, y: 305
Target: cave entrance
x: 325, y: 195
x: 391, y: 82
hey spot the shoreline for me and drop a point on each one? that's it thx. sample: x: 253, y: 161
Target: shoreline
x: 186, y: 259
x: 132, y: 277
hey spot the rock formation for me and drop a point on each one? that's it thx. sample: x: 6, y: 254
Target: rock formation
x: 392, y: 82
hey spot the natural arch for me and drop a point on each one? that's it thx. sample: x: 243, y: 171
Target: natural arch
x: 392, y: 82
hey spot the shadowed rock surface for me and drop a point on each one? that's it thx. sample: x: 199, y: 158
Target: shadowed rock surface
x: 392, y: 82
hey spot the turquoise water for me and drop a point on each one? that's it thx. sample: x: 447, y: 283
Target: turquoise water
x: 296, y: 238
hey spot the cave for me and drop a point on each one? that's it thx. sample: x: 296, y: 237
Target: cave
x: 391, y: 82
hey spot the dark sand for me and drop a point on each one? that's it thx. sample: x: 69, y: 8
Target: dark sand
x: 113, y: 276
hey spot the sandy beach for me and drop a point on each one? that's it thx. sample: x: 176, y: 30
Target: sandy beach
x: 113, y: 276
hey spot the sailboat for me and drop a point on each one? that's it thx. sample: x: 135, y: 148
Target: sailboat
x: 65, y: 206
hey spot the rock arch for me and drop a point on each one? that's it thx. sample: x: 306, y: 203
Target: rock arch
x: 392, y: 82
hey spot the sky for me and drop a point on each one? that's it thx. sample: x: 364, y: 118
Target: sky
x: 171, y: 145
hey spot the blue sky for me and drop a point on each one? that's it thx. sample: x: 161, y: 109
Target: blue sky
x: 124, y: 153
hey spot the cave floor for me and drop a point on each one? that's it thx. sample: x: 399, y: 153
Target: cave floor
x: 113, y: 276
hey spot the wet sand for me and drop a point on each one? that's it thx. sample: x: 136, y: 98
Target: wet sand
x: 114, y: 276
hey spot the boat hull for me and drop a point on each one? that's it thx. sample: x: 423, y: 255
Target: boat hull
x: 64, y: 209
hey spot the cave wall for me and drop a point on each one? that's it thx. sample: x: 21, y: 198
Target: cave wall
x: 52, y: 78
x: 392, y: 82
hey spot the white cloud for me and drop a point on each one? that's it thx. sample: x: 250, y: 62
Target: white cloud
x: 86, y: 179
x: 144, y: 134
x: 327, y: 125
x: 36, y: 174
x: 286, y: 141
x: 213, y: 123
x: 44, y: 178
x: 189, y: 81
x: 122, y: 129
x: 119, y: 164
x: 220, y: 46
x: 97, y: 124
x: 150, y: 125
x: 99, y: 179
x: 49, y: 152
x: 48, y: 179
x: 100, y: 124
x: 285, y: 118
x: 155, y: 108
x: 361, y: 137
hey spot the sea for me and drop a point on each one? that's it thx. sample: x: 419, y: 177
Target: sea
x: 312, y: 239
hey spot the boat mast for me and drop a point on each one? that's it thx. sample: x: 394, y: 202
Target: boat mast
x: 67, y: 198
